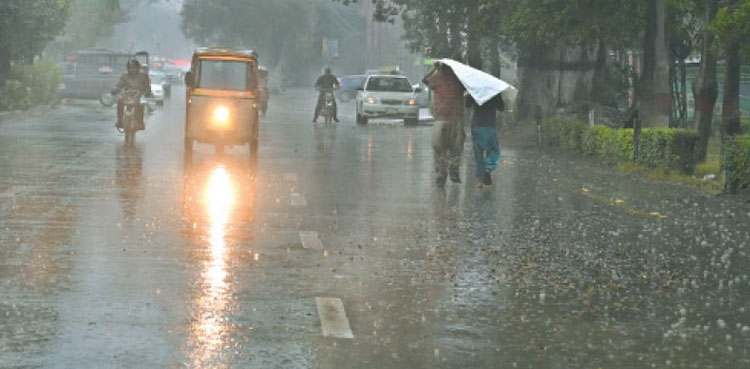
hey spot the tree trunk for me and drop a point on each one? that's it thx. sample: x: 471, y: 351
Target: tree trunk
x: 495, y: 55
x: 4, y: 65
x: 731, y: 99
x: 656, y: 97
x: 473, y: 49
x: 705, y: 87
x: 473, y: 38
x: 552, y: 77
x: 598, y: 86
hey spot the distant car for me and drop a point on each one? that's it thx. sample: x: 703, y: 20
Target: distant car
x: 387, y: 96
x: 160, y: 86
x: 348, y: 86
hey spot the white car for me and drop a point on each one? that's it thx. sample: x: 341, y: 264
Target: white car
x: 387, y: 96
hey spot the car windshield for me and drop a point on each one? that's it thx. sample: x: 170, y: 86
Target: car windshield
x: 225, y: 75
x: 389, y: 84
x: 156, y: 77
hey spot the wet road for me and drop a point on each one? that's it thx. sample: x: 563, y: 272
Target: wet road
x: 339, y: 252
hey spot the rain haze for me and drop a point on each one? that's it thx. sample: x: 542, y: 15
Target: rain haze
x: 374, y: 184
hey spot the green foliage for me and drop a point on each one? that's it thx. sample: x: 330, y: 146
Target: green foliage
x: 662, y: 148
x: 30, y: 85
x: 737, y: 162
x: 563, y: 132
x: 14, y: 96
x: 27, y: 25
x: 90, y: 20
x: 284, y: 32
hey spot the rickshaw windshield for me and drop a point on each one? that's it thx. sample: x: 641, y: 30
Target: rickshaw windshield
x: 226, y: 75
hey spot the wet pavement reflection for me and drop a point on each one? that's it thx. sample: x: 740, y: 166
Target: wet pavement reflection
x: 219, y: 196
x: 138, y: 257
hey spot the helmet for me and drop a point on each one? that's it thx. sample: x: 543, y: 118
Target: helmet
x: 133, y: 63
x: 328, y: 71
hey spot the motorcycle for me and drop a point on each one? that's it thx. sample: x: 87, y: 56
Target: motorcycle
x: 131, y: 101
x: 329, y: 107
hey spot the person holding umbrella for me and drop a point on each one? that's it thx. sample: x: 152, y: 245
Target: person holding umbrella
x: 448, y: 129
x: 484, y: 95
x: 484, y: 137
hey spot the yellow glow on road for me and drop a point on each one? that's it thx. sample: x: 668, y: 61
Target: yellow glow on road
x: 210, y: 331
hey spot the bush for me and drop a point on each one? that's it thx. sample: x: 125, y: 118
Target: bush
x: 30, y: 85
x: 663, y: 148
x: 563, y: 132
x: 15, y: 96
x: 737, y: 162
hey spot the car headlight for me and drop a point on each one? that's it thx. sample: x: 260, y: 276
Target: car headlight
x: 220, y: 118
x: 371, y: 100
x: 411, y: 101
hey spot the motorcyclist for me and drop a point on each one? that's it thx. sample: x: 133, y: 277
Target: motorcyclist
x: 326, y: 83
x: 134, y: 79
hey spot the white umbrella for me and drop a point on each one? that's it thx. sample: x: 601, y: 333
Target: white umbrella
x: 480, y: 85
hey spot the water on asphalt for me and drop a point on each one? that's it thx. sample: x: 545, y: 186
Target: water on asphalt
x: 133, y: 257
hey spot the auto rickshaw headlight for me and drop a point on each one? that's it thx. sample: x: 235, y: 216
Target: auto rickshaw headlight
x: 220, y: 117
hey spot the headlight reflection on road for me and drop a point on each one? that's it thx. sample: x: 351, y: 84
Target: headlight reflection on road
x: 209, y: 333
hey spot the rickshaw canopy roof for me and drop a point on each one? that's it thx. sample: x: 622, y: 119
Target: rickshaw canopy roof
x: 208, y: 52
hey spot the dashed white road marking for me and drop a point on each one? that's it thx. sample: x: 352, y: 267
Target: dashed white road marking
x: 298, y: 200
x: 333, y: 320
x: 310, y: 240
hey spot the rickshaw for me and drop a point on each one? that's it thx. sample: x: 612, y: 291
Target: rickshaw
x: 222, y: 99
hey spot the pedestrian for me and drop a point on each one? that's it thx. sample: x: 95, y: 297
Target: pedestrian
x: 484, y: 137
x: 448, y: 130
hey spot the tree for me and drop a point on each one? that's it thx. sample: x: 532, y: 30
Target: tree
x: 286, y: 33
x: 732, y: 25
x: 706, y: 87
x: 655, y: 92
x: 26, y: 27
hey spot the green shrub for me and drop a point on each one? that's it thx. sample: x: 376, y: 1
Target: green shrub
x: 593, y: 139
x: 668, y: 148
x: 654, y: 148
x: 619, y: 146
x: 737, y: 162
x: 15, y: 96
x: 563, y: 132
x: 662, y: 148
x: 682, y: 148
x: 30, y: 85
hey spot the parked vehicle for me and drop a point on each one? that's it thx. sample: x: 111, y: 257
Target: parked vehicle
x: 387, y: 96
x: 160, y: 86
x: 348, y: 86
x: 92, y: 74
x: 222, y: 99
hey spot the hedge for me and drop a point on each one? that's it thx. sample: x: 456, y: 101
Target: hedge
x: 664, y: 148
x: 30, y: 85
x: 737, y: 163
